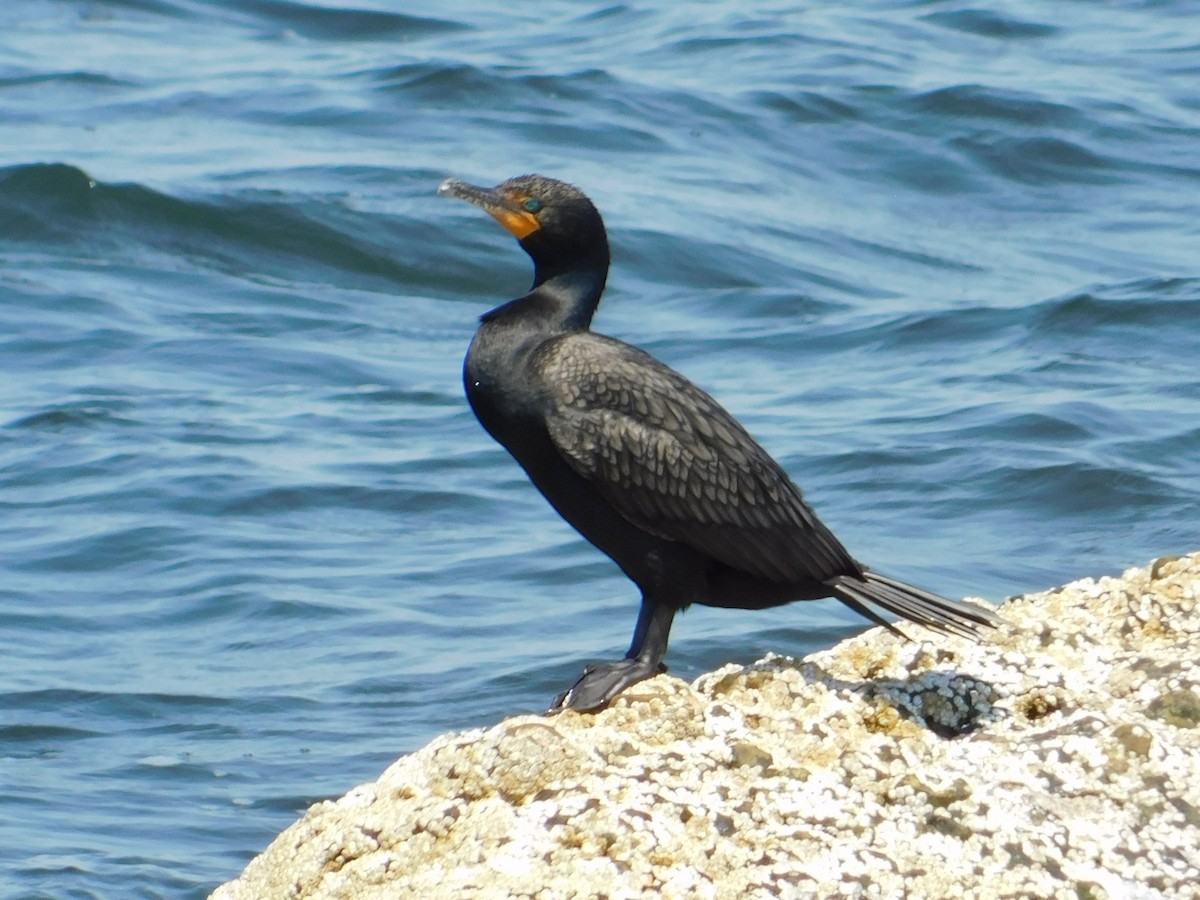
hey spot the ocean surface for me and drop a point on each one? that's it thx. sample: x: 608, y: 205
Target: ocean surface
x: 942, y: 259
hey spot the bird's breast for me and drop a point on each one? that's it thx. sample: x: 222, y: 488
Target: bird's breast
x: 500, y: 384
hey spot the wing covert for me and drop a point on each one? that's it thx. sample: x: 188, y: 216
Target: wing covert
x: 672, y: 461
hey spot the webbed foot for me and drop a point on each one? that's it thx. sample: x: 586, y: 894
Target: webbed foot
x: 600, y: 683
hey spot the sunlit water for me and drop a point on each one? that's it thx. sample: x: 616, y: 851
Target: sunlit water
x: 943, y: 261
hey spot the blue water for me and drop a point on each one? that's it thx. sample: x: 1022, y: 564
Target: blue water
x: 943, y: 260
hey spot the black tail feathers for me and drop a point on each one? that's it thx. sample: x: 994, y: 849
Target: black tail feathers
x: 912, y: 603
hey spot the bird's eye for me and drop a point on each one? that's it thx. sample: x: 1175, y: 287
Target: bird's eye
x: 532, y: 205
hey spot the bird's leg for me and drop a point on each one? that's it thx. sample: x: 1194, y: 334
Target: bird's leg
x: 652, y: 630
x: 600, y: 683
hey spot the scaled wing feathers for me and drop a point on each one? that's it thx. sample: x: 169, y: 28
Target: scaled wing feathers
x: 672, y: 461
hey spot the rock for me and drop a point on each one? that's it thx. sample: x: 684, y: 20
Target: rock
x: 1059, y: 759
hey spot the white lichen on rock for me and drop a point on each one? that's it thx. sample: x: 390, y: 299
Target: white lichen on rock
x: 1061, y: 759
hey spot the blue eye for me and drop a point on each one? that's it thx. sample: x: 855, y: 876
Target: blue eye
x: 532, y: 205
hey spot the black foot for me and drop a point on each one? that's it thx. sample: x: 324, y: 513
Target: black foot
x: 600, y: 683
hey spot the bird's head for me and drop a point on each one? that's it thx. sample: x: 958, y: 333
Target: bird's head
x: 555, y: 222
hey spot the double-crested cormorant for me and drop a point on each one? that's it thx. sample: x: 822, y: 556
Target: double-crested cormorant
x: 643, y: 463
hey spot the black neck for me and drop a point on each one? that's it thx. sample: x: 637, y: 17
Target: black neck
x: 565, y: 301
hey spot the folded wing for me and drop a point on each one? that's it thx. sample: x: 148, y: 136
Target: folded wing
x: 673, y: 462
